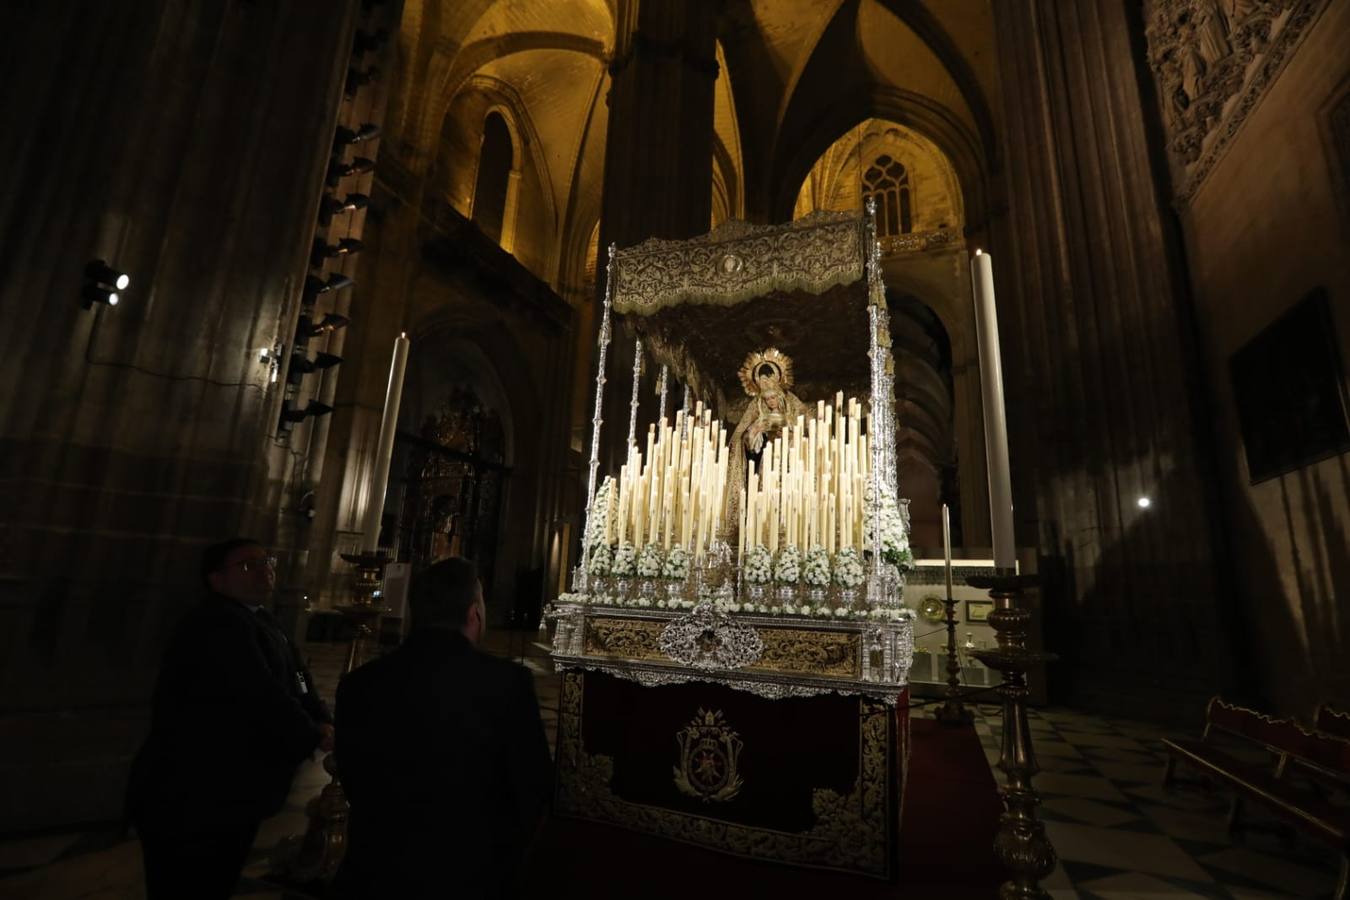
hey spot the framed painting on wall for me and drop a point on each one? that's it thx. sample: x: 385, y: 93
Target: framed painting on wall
x: 979, y: 610
x: 1290, y: 392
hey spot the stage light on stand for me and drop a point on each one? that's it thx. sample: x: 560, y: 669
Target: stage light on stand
x: 292, y: 416
x: 316, y: 286
x: 94, y: 293
x: 366, y: 41
x: 322, y: 250
x: 307, y: 328
x: 338, y: 170
x: 102, y: 283
x: 345, y: 136
x: 100, y: 272
x: 301, y: 366
x: 330, y: 206
x: 357, y: 79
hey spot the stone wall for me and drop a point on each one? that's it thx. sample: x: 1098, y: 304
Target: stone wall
x: 1266, y: 225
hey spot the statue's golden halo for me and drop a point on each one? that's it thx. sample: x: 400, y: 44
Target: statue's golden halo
x: 773, y: 357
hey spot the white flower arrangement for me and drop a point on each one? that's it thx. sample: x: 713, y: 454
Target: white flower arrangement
x: 894, y: 540
x: 625, y: 559
x: 789, y: 567
x: 677, y: 564
x: 848, y: 568
x: 816, y: 571
x: 601, y: 560
x: 568, y: 597
x: 603, y: 510
x: 649, y: 561
x: 758, y: 565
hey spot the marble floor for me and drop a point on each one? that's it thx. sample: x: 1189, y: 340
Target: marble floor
x: 1119, y: 834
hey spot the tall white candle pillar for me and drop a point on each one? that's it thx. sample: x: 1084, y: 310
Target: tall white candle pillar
x: 995, y: 417
x: 384, y: 452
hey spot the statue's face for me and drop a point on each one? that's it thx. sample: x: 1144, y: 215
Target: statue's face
x: 767, y: 379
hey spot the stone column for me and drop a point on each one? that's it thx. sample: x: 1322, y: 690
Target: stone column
x: 658, y: 158
x: 1099, y: 358
x: 185, y: 143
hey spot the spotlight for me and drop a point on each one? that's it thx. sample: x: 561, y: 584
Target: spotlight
x: 330, y: 206
x: 290, y: 415
x: 366, y: 41
x: 316, y: 286
x: 300, y: 366
x: 322, y: 251
x: 344, y: 136
x: 100, y: 272
x: 357, y: 79
x: 307, y: 328
x: 338, y: 170
x: 94, y: 293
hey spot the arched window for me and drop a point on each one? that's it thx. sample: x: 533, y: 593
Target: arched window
x: 494, y: 170
x: 888, y: 182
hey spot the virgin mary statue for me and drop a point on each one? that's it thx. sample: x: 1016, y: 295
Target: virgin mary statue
x: 766, y: 376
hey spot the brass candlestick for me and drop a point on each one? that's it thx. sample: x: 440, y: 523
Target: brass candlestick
x: 1021, y: 844
x: 367, y: 603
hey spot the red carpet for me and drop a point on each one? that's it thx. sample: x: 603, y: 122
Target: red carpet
x: 946, y: 841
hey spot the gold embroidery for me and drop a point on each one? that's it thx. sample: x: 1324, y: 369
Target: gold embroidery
x: 852, y: 832
x: 709, y: 752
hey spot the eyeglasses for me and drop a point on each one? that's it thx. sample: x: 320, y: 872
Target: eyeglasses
x: 255, y: 565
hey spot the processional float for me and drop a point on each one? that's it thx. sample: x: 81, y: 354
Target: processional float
x: 734, y: 646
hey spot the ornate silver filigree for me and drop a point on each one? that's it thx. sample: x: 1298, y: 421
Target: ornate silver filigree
x: 768, y: 689
x: 707, y: 639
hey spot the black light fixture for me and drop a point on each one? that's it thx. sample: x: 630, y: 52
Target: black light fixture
x: 338, y: 170
x: 322, y: 251
x: 102, y: 283
x: 307, y: 328
x: 316, y: 286
x: 302, y: 366
x: 358, y: 78
x: 345, y: 136
x: 366, y: 41
x: 291, y: 416
x: 330, y: 206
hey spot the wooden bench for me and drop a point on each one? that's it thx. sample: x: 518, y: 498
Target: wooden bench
x: 1286, y: 782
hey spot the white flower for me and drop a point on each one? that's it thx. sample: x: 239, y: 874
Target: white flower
x: 788, y: 569
x: 841, y: 612
x: 625, y: 559
x: 649, y: 561
x: 848, y: 568
x: 677, y: 563
x: 660, y: 604
x: 600, y: 561
x: 758, y: 565
x: 816, y: 568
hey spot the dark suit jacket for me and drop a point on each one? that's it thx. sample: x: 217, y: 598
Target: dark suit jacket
x: 230, y: 721
x: 443, y: 757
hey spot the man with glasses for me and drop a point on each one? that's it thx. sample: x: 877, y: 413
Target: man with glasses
x: 234, y: 713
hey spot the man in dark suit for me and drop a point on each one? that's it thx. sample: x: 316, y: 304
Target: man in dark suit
x: 442, y: 755
x: 234, y: 713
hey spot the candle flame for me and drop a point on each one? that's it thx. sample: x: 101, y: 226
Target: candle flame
x: 403, y: 334
x: 979, y: 252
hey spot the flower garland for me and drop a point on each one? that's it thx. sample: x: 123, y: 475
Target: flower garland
x: 649, y: 561
x: 892, y: 614
x: 603, y: 510
x: 758, y: 567
x: 816, y: 572
x: 789, y: 567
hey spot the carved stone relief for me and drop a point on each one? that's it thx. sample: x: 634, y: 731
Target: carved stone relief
x: 1212, y: 61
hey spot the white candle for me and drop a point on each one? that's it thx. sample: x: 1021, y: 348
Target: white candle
x: 995, y: 418
x: 384, y: 451
x: 947, y: 547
